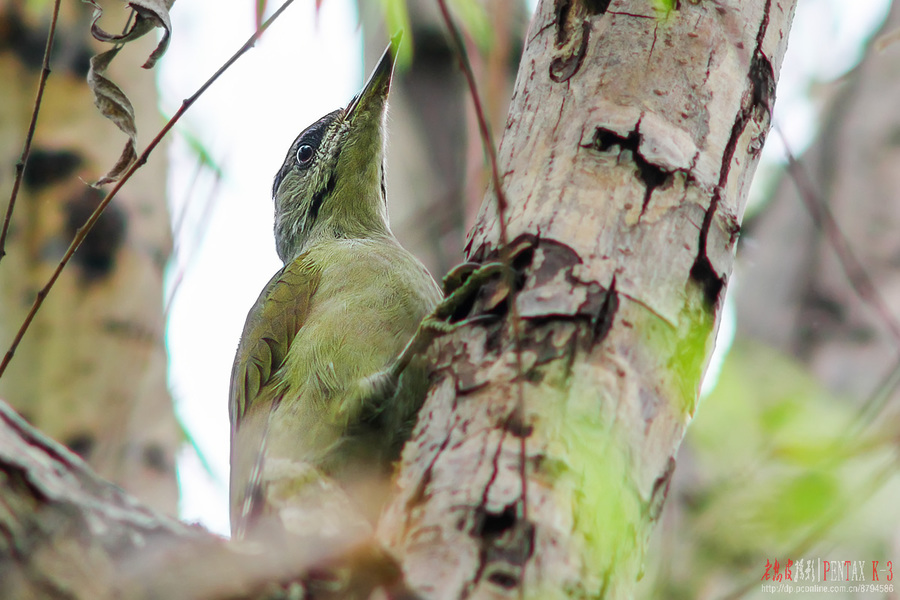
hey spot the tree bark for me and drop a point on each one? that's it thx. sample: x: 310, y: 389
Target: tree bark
x: 806, y: 375
x: 64, y: 531
x: 544, y: 451
x: 67, y: 534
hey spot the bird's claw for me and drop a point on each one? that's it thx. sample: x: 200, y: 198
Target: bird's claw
x: 457, y: 276
x: 462, y: 282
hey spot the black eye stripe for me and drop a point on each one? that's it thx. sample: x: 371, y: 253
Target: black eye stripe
x: 319, y: 198
x: 312, y: 137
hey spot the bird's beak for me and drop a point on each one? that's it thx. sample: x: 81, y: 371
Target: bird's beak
x: 374, y: 94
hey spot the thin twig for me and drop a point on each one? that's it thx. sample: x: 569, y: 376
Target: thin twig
x: 199, y: 233
x: 483, y: 127
x: 26, y: 148
x: 860, y: 280
x: 82, y: 231
x: 181, y: 218
x: 865, y: 288
x: 502, y: 206
x: 876, y: 401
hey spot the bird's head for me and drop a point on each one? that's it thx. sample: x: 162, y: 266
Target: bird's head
x: 332, y: 181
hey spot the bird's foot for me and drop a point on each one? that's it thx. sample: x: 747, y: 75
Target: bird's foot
x: 460, y: 286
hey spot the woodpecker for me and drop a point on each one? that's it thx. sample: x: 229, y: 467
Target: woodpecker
x: 318, y: 398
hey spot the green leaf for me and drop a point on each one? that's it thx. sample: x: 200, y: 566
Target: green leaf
x: 396, y: 16
x: 782, y: 411
x: 475, y: 22
x: 261, y: 6
x: 802, y: 501
x: 664, y: 7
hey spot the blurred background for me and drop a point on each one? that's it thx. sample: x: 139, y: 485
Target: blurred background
x: 793, y: 450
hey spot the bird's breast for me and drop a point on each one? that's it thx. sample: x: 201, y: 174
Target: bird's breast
x: 370, y: 299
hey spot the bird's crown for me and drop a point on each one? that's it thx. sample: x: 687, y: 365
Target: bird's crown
x: 331, y: 183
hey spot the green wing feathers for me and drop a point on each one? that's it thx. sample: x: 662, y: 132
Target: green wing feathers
x: 309, y: 395
x: 271, y: 326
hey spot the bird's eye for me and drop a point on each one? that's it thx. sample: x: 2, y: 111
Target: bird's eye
x: 304, y: 154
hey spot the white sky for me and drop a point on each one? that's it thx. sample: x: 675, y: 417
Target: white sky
x: 304, y: 67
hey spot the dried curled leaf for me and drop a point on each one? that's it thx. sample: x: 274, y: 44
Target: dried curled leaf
x: 115, y: 106
x: 149, y: 14
x: 108, y: 97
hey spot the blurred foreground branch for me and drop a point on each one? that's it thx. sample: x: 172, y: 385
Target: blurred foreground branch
x: 66, y: 533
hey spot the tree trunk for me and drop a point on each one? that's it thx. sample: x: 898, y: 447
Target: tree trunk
x: 91, y: 371
x: 544, y: 451
x: 806, y: 376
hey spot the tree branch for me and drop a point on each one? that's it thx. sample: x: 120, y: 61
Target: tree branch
x: 83, y: 231
x: 26, y: 148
